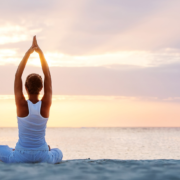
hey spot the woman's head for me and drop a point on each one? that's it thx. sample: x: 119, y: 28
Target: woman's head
x: 34, y: 83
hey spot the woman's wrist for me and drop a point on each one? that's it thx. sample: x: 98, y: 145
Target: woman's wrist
x: 30, y: 51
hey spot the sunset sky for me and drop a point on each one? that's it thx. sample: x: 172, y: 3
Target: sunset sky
x: 113, y: 62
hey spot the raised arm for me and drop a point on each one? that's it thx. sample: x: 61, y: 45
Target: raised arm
x: 47, y: 98
x: 18, y: 89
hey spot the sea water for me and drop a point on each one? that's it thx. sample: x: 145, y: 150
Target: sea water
x: 102, y: 153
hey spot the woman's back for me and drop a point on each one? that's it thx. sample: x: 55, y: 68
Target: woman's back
x: 32, y: 127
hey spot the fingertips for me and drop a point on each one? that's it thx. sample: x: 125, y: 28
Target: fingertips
x: 34, y: 39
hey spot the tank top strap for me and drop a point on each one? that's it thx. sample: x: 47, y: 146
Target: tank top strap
x: 34, y: 108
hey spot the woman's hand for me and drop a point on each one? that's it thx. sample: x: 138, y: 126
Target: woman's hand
x: 37, y: 48
x: 34, y: 47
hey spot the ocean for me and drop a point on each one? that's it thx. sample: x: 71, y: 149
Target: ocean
x: 102, y: 153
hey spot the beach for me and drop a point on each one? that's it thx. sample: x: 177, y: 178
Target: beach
x: 102, y: 153
x: 101, y: 80
x: 94, y: 170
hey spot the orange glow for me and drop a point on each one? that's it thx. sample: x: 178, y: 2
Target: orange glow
x: 100, y: 111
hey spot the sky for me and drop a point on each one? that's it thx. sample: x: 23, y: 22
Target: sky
x: 118, y: 59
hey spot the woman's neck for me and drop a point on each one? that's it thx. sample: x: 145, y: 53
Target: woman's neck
x: 34, y: 98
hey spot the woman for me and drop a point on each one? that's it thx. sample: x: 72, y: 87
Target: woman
x: 32, y: 116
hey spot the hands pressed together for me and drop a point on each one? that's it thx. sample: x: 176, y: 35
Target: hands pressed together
x: 34, y: 47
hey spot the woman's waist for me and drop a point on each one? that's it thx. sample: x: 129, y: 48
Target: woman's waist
x: 31, y: 146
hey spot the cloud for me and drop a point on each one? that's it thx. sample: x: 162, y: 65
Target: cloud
x: 138, y: 58
x: 84, y: 37
x: 151, y: 82
x: 91, y: 27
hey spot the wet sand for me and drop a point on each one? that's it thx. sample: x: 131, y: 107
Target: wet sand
x: 94, y: 169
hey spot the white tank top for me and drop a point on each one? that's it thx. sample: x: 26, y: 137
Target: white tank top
x: 32, y: 128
